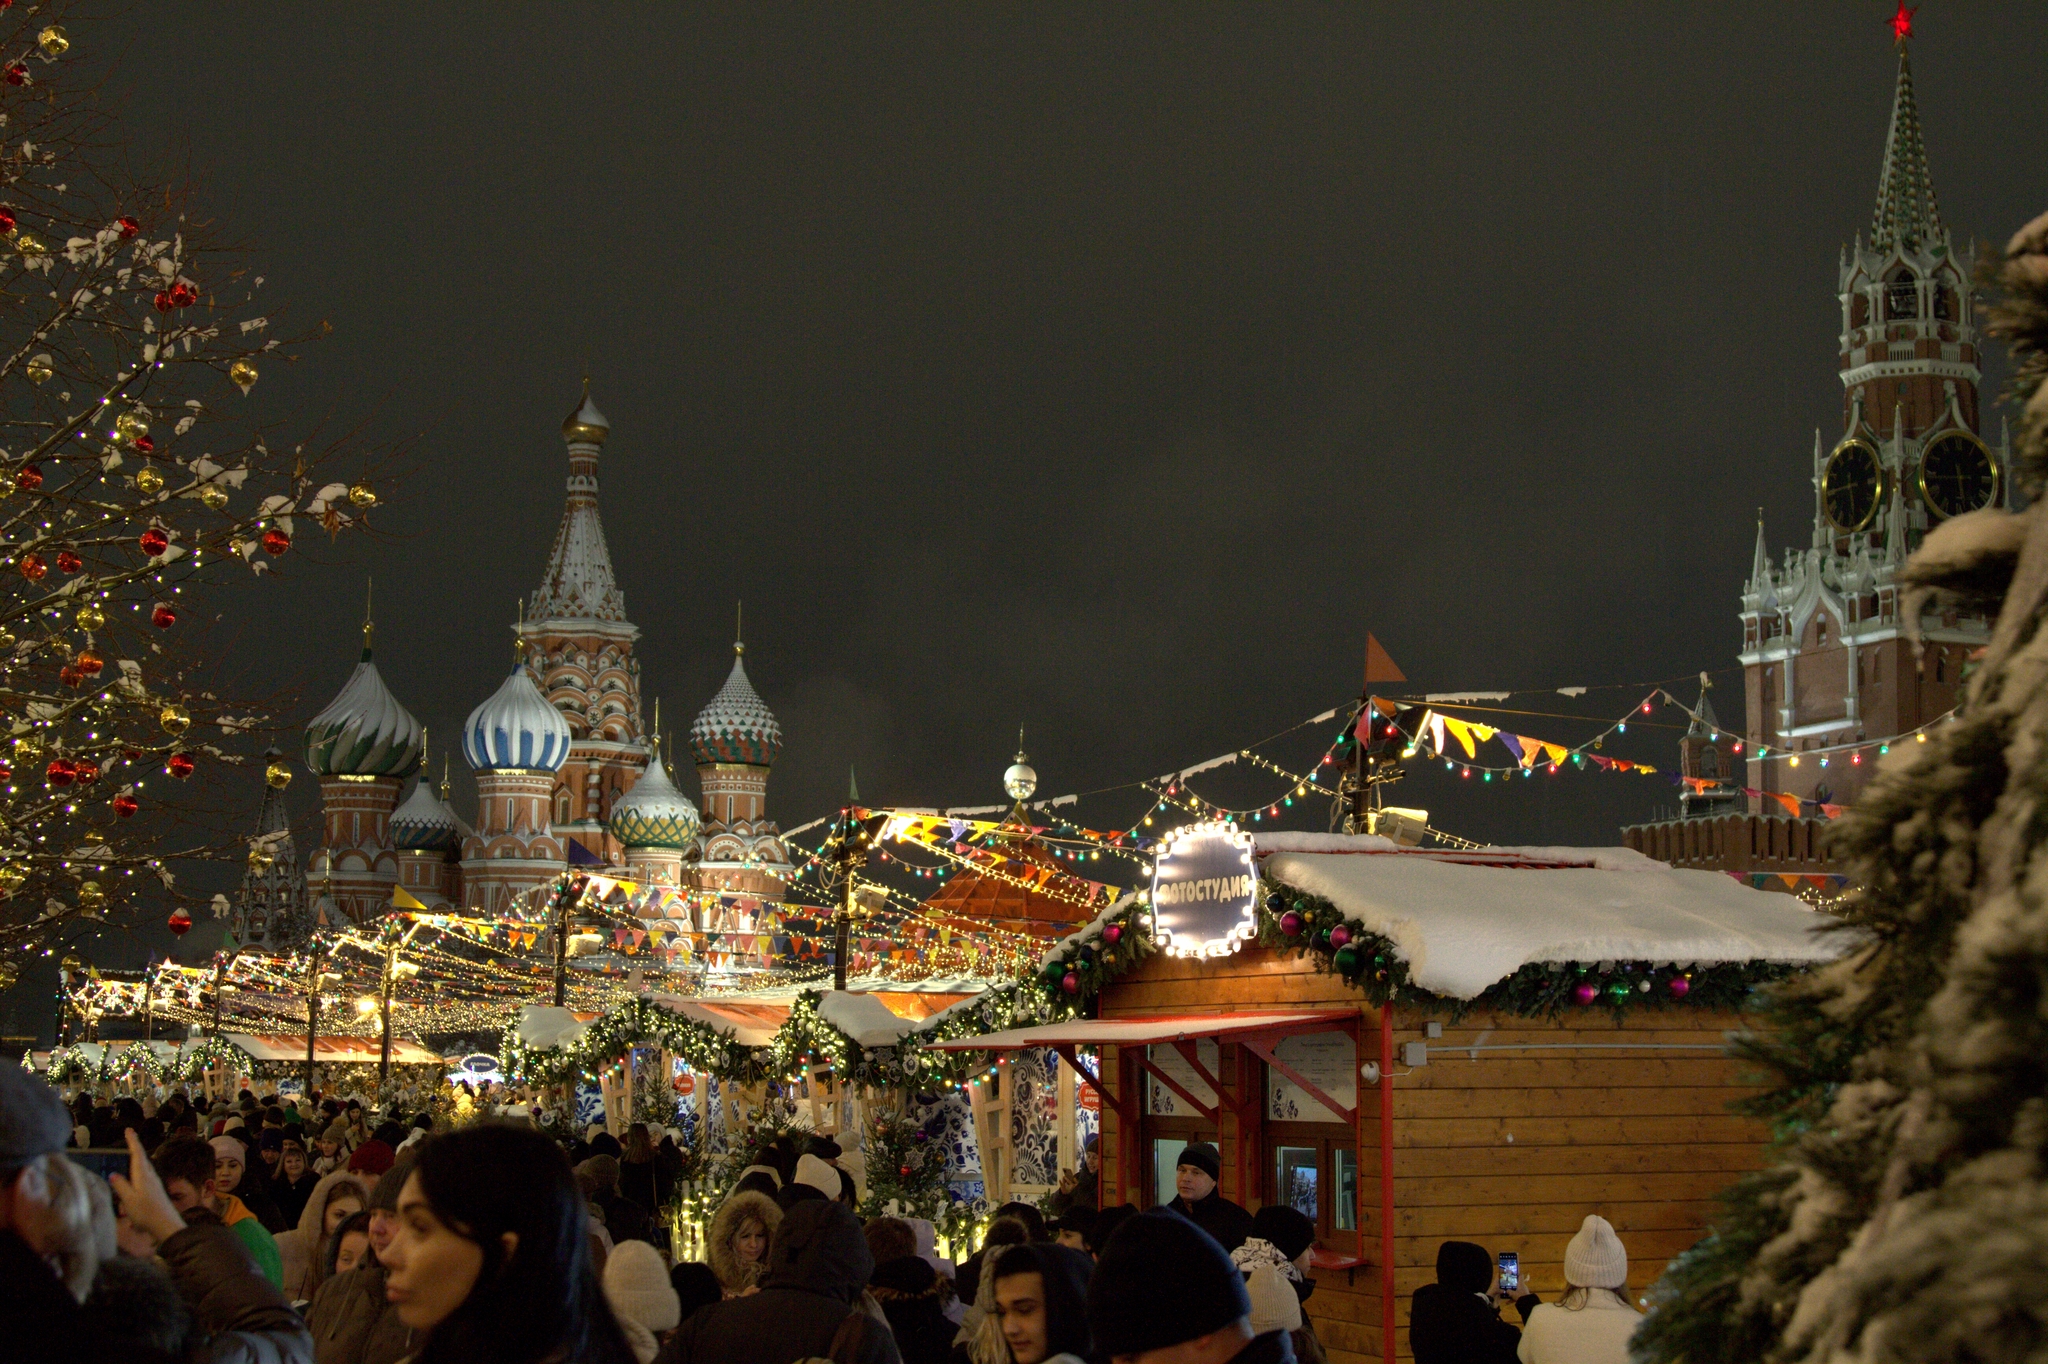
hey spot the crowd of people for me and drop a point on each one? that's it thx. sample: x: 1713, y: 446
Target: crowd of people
x: 270, y: 1232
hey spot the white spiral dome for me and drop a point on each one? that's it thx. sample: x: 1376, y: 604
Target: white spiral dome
x: 364, y: 732
x: 516, y: 728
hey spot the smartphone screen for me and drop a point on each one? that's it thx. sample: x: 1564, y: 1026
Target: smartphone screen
x: 101, y: 1161
x: 1510, y: 1272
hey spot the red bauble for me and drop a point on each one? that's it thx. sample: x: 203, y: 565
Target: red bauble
x: 164, y: 617
x: 88, y: 771
x: 89, y: 663
x: 1680, y: 986
x: 145, y: 444
x: 1586, y: 994
x: 70, y: 676
x: 61, y: 772
x: 276, y: 542
x: 154, y: 541
x: 6, y: 770
x: 16, y: 74
x: 179, y: 921
x: 33, y: 568
x: 163, y: 301
x: 6, y: 221
x: 179, y: 765
x: 68, y: 561
x: 183, y: 295
x: 129, y: 227
x: 28, y: 478
x: 126, y: 805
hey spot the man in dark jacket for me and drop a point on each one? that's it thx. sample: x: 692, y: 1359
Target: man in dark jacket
x: 1194, y: 1181
x: 1456, y: 1320
x: 1081, y: 1190
x: 1163, y: 1283
x: 39, y: 1315
x: 818, y: 1264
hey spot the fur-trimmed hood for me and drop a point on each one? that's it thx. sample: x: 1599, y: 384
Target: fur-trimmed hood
x: 732, y: 1275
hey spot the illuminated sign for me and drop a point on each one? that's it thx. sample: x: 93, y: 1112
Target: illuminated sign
x: 1205, y: 892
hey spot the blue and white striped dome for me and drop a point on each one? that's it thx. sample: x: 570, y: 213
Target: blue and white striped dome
x: 654, y: 814
x: 516, y: 728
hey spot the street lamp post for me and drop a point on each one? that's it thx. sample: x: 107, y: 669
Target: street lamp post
x: 384, y: 1008
x: 312, y: 1013
x: 849, y: 846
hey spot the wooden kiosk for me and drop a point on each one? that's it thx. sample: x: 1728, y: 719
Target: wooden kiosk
x: 1554, y: 1046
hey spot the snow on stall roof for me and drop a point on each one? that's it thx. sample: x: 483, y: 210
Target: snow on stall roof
x: 1463, y: 925
x: 864, y: 1018
x: 542, y: 1025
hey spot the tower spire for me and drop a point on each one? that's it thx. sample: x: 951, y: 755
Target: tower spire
x: 369, y: 599
x: 1760, y: 566
x: 739, y: 633
x: 1907, y: 215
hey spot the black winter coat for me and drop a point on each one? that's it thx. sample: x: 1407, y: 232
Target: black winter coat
x: 291, y: 1196
x: 818, y: 1264
x: 1456, y: 1326
x: 353, y: 1324
x: 231, y: 1313
x: 1217, y: 1215
x: 39, y: 1319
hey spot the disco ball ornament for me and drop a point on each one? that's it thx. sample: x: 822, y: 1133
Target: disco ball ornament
x: 1020, y: 781
x: 148, y: 481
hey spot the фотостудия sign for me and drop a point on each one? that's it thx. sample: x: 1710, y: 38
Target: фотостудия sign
x: 1205, y: 892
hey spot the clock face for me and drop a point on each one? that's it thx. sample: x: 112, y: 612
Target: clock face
x: 1852, y: 486
x: 1957, y: 475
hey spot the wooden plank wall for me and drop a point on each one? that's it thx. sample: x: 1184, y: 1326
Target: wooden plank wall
x: 1507, y: 1148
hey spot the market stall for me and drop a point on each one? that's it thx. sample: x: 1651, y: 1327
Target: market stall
x: 1415, y: 1046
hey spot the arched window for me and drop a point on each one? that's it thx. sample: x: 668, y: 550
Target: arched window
x: 1859, y: 310
x: 1901, y: 295
x: 1941, y: 665
x: 562, y: 808
x: 1945, y: 302
x: 1710, y: 762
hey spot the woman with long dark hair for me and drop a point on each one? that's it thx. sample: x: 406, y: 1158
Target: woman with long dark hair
x: 490, y: 1258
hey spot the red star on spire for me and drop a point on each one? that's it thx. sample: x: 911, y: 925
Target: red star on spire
x: 1902, y: 22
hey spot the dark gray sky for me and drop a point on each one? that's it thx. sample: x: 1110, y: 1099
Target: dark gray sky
x: 1105, y: 370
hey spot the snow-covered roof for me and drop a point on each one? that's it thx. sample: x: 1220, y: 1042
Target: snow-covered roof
x: 748, y: 1023
x: 654, y: 814
x: 864, y: 1018
x: 543, y: 1025
x: 424, y: 822
x: 1466, y: 921
x: 516, y: 727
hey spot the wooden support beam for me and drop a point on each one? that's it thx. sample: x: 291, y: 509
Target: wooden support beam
x: 1242, y: 1105
x: 1093, y: 1081
x: 1205, y: 1110
x: 1265, y: 1053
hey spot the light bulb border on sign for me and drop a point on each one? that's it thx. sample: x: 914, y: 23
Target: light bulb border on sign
x: 1246, y: 930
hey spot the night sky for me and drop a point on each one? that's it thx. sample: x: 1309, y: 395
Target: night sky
x: 1104, y: 371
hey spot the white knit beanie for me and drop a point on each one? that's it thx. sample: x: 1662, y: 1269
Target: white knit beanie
x: 636, y: 1285
x: 1275, y: 1307
x: 1595, y: 1258
x: 816, y: 1173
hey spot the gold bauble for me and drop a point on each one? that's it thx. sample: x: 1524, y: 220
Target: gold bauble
x: 7, y: 639
x: 54, y: 41
x: 214, y: 496
x: 38, y: 369
x: 362, y: 494
x: 260, y: 859
x: 29, y: 244
x: 11, y: 877
x: 174, y: 718
x: 243, y: 374
x: 28, y: 748
x: 130, y: 426
x: 91, y: 898
x: 90, y: 617
x: 278, y: 774
x: 148, y: 481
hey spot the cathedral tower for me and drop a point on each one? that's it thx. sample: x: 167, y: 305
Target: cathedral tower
x: 579, y: 645
x: 516, y: 743
x: 362, y: 747
x: 734, y: 741
x: 271, y: 913
x: 1828, y: 673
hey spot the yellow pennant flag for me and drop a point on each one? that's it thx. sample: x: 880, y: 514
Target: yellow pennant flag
x: 400, y: 900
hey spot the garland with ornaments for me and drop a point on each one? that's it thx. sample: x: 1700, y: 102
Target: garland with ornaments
x: 636, y: 1022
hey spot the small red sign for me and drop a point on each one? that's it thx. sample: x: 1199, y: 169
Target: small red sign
x: 686, y: 1084
x: 1088, y: 1099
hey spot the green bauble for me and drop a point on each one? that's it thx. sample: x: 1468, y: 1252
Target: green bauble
x: 1346, y: 960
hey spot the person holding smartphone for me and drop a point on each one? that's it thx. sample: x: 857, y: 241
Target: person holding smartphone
x: 1456, y: 1320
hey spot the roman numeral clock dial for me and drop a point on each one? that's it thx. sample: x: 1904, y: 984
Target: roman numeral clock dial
x: 1957, y: 475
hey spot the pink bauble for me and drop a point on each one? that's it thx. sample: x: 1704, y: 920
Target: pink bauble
x: 1586, y: 994
x: 1339, y: 936
x: 1071, y: 983
x: 1113, y: 933
x: 1680, y: 986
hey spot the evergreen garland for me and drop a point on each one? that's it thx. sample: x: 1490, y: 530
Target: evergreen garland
x: 637, y: 1022
x: 906, y: 1168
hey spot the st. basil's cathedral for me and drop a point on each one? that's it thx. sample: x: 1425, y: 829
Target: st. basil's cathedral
x: 567, y: 768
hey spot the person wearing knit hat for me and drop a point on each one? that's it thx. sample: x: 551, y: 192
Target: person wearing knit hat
x: 231, y: 1176
x: 815, y: 1172
x: 1196, y: 1197
x: 1593, y: 1321
x: 1274, y: 1306
x: 641, y: 1297
x: 1163, y: 1282
x: 1456, y: 1320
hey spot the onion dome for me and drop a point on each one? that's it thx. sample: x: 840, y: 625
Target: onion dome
x: 364, y: 732
x: 516, y: 728
x: 737, y: 727
x: 586, y: 425
x: 425, y: 823
x: 654, y: 814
